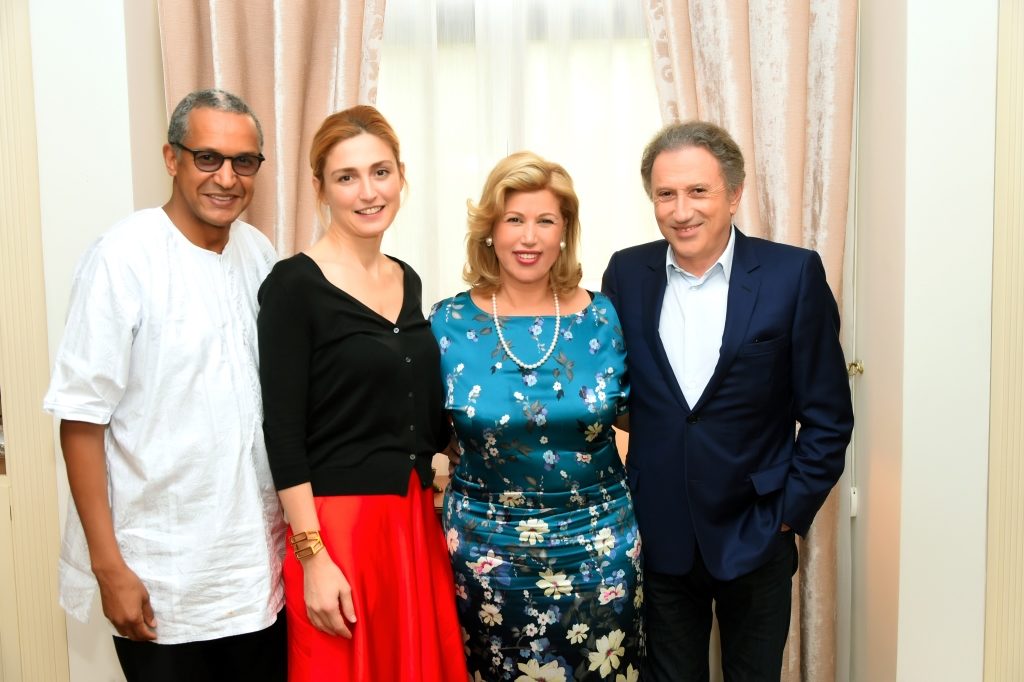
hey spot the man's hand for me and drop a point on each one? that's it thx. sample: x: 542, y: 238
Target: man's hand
x: 126, y: 603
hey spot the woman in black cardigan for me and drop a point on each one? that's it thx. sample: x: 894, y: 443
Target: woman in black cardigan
x: 353, y: 409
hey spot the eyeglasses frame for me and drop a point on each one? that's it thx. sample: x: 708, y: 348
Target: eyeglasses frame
x: 223, y: 158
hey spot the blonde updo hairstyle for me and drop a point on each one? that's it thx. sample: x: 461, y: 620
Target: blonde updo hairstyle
x: 521, y: 172
x: 341, y: 126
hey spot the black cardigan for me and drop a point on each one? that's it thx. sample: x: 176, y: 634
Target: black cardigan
x: 352, y: 402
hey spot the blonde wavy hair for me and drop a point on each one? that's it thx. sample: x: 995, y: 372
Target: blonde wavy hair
x: 521, y: 172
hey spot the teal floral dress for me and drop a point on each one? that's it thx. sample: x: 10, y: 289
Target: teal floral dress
x: 538, y: 516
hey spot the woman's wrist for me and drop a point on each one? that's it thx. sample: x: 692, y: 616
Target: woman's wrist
x: 306, y: 544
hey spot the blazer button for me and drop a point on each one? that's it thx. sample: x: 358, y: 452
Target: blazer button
x: 692, y: 419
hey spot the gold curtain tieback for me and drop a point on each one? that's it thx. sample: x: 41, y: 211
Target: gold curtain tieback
x: 306, y: 544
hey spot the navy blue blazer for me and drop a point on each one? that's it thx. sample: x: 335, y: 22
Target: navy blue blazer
x: 726, y: 473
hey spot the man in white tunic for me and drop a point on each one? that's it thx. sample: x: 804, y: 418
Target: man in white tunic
x: 175, y: 518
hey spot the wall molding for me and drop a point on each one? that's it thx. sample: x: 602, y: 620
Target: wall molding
x: 39, y: 641
x: 1004, y: 597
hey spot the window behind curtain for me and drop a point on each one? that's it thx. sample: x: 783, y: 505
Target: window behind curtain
x: 467, y: 82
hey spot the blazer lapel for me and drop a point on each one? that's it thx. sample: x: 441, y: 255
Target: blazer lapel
x: 655, y: 282
x: 744, y: 283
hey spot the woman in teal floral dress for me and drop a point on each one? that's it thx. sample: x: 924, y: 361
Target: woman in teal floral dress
x: 538, y: 517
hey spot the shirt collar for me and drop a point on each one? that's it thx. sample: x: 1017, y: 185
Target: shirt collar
x: 725, y: 260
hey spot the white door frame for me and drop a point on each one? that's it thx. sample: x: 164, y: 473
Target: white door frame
x: 33, y: 640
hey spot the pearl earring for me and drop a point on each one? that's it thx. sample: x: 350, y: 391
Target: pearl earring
x: 561, y: 245
x: 489, y: 241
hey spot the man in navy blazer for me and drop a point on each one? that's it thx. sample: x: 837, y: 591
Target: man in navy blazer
x: 740, y: 411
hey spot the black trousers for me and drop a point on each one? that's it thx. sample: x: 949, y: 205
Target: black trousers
x: 260, y: 656
x: 753, y: 619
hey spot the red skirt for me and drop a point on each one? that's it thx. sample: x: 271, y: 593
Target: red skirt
x: 392, y: 552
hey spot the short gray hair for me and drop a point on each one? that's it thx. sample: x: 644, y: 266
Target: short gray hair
x: 221, y: 100
x: 713, y: 138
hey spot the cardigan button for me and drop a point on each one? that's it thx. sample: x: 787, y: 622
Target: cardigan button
x: 412, y: 457
x: 692, y: 419
x: 396, y: 330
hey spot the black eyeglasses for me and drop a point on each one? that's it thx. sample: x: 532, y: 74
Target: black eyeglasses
x: 210, y: 161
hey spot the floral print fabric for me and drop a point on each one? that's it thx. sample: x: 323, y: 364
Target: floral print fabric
x: 538, y: 517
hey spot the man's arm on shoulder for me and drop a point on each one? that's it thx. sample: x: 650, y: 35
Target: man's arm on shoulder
x: 821, y: 399
x: 609, y: 285
x: 125, y: 599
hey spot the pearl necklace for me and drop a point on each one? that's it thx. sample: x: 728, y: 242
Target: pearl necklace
x: 504, y: 344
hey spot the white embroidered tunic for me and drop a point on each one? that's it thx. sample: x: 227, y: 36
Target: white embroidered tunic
x: 160, y: 344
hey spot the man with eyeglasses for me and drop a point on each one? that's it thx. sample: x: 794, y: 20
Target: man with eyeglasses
x: 175, y: 518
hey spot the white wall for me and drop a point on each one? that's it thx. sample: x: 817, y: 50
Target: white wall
x: 951, y: 76
x: 100, y: 127
x: 85, y: 182
x: 879, y: 288
x: 925, y: 191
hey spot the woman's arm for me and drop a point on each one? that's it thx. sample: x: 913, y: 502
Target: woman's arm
x: 327, y: 593
x: 285, y: 350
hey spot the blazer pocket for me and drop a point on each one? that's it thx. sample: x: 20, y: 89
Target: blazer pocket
x: 769, y: 480
x: 763, y: 347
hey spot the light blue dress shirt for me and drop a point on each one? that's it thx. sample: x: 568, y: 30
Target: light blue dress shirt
x: 693, y: 320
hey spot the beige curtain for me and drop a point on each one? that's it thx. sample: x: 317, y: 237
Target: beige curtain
x: 294, y: 63
x: 779, y: 75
